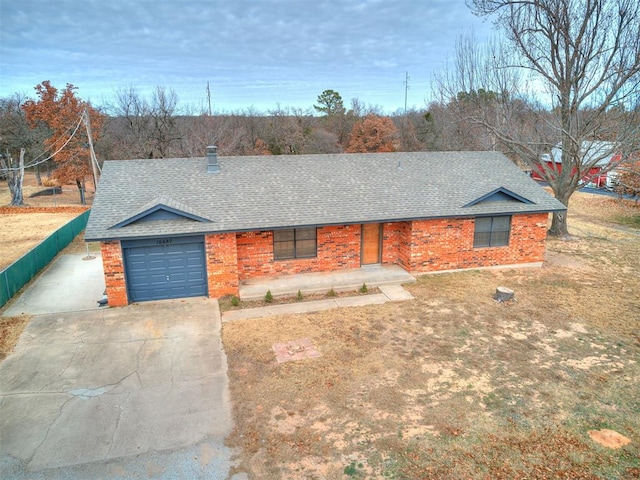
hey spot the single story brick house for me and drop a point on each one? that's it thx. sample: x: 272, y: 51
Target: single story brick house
x: 180, y: 227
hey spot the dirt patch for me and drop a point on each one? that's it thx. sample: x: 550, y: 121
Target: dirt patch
x: 609, y: 438
x: 10, y: 330
x: 453, y: 384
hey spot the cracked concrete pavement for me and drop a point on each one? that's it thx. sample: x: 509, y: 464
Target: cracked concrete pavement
x: 133, y: 392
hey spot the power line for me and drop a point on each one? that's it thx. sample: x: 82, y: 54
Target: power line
x: 80, y: 120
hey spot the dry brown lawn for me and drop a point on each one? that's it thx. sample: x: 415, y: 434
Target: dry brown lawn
x: 452, y: 384
x: 23, y: 231
x: 24, y: 228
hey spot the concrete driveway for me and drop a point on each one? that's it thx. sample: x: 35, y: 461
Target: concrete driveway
x: 133, y: 392
x: 71, y: 283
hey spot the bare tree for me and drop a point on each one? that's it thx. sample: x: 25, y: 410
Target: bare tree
x: 14, y: 172
x: 198, y: 132
x: 141, y: 128
x: 566, y: 74
x: 129, y: 126
x: 164, y: 131
x: 16, y: 136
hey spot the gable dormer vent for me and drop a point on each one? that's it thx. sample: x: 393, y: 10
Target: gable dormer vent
x: 212, y: 159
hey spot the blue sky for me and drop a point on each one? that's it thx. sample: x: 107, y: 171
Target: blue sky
x: 257, y: 54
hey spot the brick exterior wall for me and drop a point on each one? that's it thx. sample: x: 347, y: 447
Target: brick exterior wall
x: 338, y: 249
x: 447, y: 244
x: 222, y: 264
x: 396, y: 247
x: 113, y: 265
x: 417, y: 246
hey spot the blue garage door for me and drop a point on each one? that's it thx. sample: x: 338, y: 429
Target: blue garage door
x: 164, y: 268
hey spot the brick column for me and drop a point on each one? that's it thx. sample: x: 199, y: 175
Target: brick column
x: 114, y: 280
x: 222, y: 264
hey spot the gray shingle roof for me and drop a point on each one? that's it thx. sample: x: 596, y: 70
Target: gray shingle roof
x: 267, y: 192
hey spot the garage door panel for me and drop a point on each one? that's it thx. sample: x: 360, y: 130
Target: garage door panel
x: 156, y: 272
x: 196, y: 277
x: 176, y: 262
x: 154, y: 265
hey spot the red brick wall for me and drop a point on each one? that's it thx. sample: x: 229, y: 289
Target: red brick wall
x: 448, y: 244
x: 222, y: 264
x: 396, y: 247
x: 113, y: 265
x: 418, y: 246
x: 338, y: 249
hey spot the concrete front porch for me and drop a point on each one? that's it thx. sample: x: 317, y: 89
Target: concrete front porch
x: 310, y: 283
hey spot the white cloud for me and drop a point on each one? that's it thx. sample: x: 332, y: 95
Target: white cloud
x: 253, y: 53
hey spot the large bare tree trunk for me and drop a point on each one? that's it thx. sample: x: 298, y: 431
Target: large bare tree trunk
x: 559, y: 225
x: 15, y: 178
x: 563, y: 189
x: 81, y: 189
x: 38, y: 177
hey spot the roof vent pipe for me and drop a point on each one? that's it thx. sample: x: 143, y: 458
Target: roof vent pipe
x: 212, y: 159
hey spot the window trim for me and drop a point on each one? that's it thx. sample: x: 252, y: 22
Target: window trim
x: 493, y: 242
x: 295, y: 255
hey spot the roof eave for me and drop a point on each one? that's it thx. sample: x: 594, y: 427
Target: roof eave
x: 106, y: 238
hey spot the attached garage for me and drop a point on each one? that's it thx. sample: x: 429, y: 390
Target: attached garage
x: 163, y: 268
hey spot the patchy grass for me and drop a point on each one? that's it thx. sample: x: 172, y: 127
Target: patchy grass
x: 630, y: 220
x: 607, y: 210
x: 452, y: 384
x: 10, y: 330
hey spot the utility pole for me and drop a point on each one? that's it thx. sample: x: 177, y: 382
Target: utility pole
x: 92, y: 153
x: 406, y: 88
x: 209, y: 97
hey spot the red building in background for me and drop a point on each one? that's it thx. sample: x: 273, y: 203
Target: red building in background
x: 597, y: 154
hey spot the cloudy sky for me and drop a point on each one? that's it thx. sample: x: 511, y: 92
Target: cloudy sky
x: 253, y: 53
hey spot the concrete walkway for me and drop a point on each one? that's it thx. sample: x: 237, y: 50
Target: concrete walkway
x: 71, y: 283
x: 313, y: 283
x: 392, y: 293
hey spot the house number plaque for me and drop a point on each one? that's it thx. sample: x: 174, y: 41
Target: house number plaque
x: 164, y: 241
